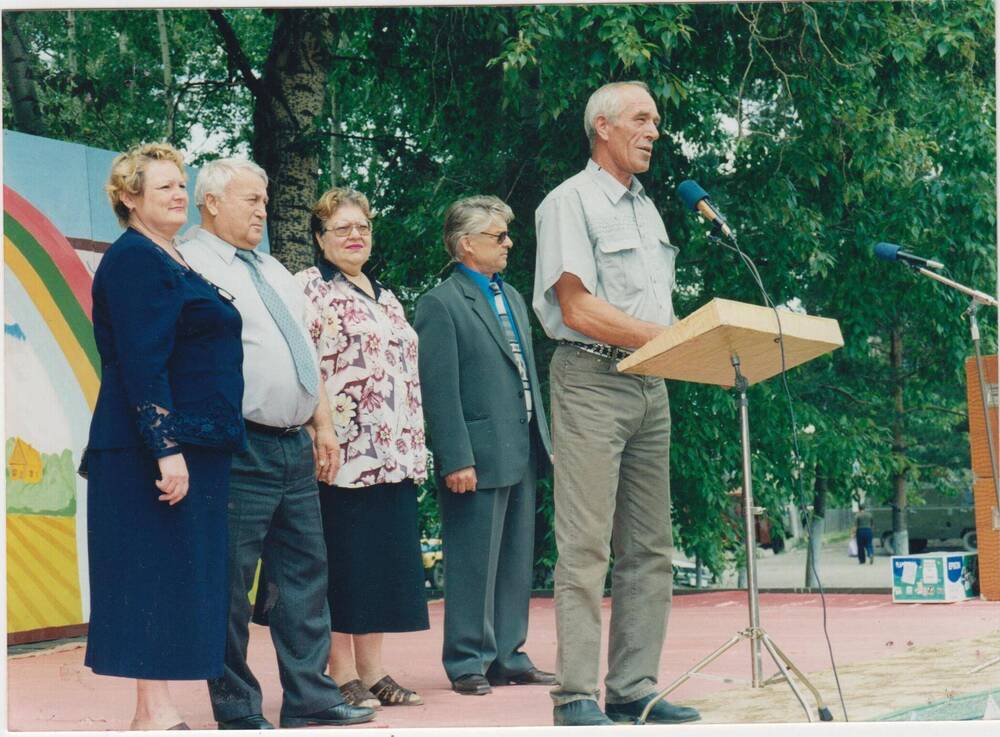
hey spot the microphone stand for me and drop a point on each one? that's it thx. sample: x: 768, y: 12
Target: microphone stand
x: 977, y: 299
x: 755, y: 634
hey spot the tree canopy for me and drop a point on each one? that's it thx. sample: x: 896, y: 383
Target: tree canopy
x: 819, y: 128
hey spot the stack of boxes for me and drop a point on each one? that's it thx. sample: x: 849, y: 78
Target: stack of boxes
x: 983, y: 489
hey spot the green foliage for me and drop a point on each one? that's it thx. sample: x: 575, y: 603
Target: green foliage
x: 102, y: 82
x: 820, y: 129
x: 54, y: 494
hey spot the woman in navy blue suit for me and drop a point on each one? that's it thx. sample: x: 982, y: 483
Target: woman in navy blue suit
x: 167, y: 420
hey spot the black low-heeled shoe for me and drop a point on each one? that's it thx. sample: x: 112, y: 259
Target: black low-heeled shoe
x: 531, y: 677
x: 662, y: 713
x: 250, y: 721
x: 334, y: 716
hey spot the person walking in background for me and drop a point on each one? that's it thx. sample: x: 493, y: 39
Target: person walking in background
x: 165, y: 426
x: 274, y: 513
x: 604, y: 277
x: 368, y: 362
x: 863, y: 535
x: 491, y: 441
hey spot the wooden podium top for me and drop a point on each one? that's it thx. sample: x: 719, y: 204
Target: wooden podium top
x: 700, y: 347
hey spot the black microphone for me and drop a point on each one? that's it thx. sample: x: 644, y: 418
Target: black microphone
x: 697, y: 200
x: 892, y: 252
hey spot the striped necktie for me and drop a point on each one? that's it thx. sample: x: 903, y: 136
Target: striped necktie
x: 302, y: 352
x: 515, y: 344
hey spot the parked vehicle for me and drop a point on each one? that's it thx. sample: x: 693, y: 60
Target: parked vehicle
x: 686, y: 574
x: 940, y: 518
x: 433, y: 557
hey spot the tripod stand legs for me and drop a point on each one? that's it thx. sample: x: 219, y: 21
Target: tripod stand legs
x: 759, y: 637
x: 779, y: 657
x: 753, y: 634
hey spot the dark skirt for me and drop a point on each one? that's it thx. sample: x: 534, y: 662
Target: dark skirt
x: 376, y: 578
x: 158, y: 575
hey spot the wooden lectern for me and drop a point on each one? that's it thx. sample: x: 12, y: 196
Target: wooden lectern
x: 733, y: 344
x: 699, y: 348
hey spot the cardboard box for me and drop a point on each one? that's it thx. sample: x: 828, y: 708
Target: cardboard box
x: 934, y: 577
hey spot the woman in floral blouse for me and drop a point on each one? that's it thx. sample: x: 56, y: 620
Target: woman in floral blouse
x: 368, y: 362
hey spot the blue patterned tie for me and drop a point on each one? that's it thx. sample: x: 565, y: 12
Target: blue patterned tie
x: 302, y: 352
x: 507, y: 325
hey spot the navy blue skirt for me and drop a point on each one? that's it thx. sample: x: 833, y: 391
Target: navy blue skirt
x: 376, y: 573
x: 158, y: 575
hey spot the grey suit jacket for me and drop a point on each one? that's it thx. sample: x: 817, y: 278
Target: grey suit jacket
x: 472, y: 394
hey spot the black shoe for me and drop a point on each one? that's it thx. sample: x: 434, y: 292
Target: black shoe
x: 663, y: 713
x: 251, y: 721
x: 471, y: 684
x: 531, y: 677
x: 581, y: 713
x: 333, y: 716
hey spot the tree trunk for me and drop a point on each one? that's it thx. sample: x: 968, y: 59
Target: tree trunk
x: 19, y: 79
x: 71, y: 30
x: 334, y: 147
x: 900, y: 535
x: 286, y: 138
x: 817, y: 522
x: 168, y: 76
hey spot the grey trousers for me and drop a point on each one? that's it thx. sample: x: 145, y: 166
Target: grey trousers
x: 611, y: 439
x: 274, y: 516
x: 488, y: 540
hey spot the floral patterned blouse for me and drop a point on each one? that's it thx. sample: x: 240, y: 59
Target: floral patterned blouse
x: 368, y: 363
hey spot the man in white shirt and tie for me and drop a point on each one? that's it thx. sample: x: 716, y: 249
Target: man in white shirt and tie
x: 274, y: 512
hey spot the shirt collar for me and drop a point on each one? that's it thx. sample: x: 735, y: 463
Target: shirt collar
x: 481, y: 280
x: 329, y: 270
x: 222, y: 249
x: 614, y: 189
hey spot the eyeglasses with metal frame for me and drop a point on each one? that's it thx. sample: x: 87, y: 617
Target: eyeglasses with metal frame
x: 342, y: 231
x: 501, y: 236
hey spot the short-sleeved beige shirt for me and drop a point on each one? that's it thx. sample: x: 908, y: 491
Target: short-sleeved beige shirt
x: 613, y: 239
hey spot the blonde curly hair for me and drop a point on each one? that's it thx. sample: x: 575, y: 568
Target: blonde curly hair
x: 128, y: 173
x: 331, y: 201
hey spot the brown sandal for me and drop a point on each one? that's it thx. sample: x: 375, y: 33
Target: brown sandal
x: 390, y: 693
x: 356, y: 694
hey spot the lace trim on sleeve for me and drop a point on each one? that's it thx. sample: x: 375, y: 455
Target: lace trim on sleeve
x: 217, y: 425
x: 156, y: 428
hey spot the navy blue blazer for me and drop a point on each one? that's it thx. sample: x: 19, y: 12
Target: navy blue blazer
x: 171, y: 354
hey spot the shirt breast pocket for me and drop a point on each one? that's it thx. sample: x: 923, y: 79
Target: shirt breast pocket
x: 619, y: 268
x: 666, y: 259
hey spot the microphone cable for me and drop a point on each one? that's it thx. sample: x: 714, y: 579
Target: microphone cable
x: 733, y: 246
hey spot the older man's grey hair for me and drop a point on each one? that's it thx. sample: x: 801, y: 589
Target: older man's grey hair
x: 606, y: 101
x: 471, y: 215
x: 215, y: 176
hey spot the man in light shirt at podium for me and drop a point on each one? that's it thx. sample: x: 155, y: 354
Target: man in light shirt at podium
x: 603, y: 281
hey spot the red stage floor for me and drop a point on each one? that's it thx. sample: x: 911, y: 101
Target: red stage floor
x: 54, y: 691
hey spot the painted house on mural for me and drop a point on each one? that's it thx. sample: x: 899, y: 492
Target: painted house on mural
x: 24, y: 463
x: 57, y: 224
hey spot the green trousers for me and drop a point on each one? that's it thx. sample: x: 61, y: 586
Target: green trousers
x: 611, y: 440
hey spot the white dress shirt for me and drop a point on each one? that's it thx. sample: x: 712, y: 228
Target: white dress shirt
x: 272, y: 394
x: 613, y: 239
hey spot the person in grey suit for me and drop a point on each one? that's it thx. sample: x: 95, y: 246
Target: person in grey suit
x: 273, y: 510
x: 490, y: 439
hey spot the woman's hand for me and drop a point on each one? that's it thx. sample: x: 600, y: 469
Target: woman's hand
x: 326, y: 449
x: 173, y: 481
x: 326, y: 454
x: 462, y: 480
